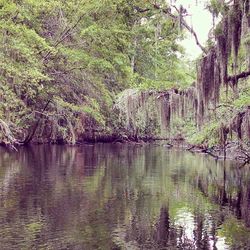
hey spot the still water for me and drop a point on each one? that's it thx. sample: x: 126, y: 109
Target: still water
x: 107, y: 196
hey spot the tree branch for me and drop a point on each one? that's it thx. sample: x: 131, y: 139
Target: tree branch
x: 31, y: 135
x: 138, y: 9
x: 239, y: 76
x: 167, y: 11
x: 66, y: 71
x: 184, y: 23
x: 64, y: 35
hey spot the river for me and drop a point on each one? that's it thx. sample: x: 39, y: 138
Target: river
x: 118, y: 196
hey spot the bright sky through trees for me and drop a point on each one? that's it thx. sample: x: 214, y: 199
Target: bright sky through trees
x: 201, y: 20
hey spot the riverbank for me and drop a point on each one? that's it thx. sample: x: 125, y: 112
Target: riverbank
x: 232, y: 151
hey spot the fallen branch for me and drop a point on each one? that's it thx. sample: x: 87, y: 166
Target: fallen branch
x: 207, y: 151
x: 190, y: 148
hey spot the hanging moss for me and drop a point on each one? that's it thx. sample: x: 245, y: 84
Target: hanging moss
x: 165, y: 113
x: 245, y: 33
x: 138, y: 113
x: 217, y: 83
x: 212, y: 69
x: 205, y: 78
x: 228, y: 39
x: 235, y: 21
x: 208, y: 84
x: 246, y: 125
x: 223, y: 48
x: 194, y: 103
x: 240, y: 124
x: 153, y: 113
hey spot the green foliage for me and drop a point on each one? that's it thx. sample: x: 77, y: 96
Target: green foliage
x: 209, y: 135
x: 78, y: 54
x: 218, y: 30
x: 217, y: 7
x: 186, y: 128
x: 234, y: 231
x: 243, y: 100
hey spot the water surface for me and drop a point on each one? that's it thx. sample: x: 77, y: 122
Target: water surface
x: 107, y: 196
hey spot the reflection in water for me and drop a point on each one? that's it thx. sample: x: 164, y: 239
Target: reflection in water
x: 121, y: 197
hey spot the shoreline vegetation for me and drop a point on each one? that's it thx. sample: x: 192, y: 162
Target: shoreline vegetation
x: 115, y: 72
x: 232, y: 150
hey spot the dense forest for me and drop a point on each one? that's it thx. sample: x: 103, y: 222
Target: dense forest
x: 80, y: 70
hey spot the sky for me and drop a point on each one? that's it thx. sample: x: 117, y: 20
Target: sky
x: 201, y: 21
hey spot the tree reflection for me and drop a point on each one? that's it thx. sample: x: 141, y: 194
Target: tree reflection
x: 121, y: 196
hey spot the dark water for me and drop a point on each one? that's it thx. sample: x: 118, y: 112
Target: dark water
x: 121, y: 197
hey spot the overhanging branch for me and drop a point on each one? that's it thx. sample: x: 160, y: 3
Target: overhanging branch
x: 167, y: 11
x: 183, y: 22
x: 239, y: 76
